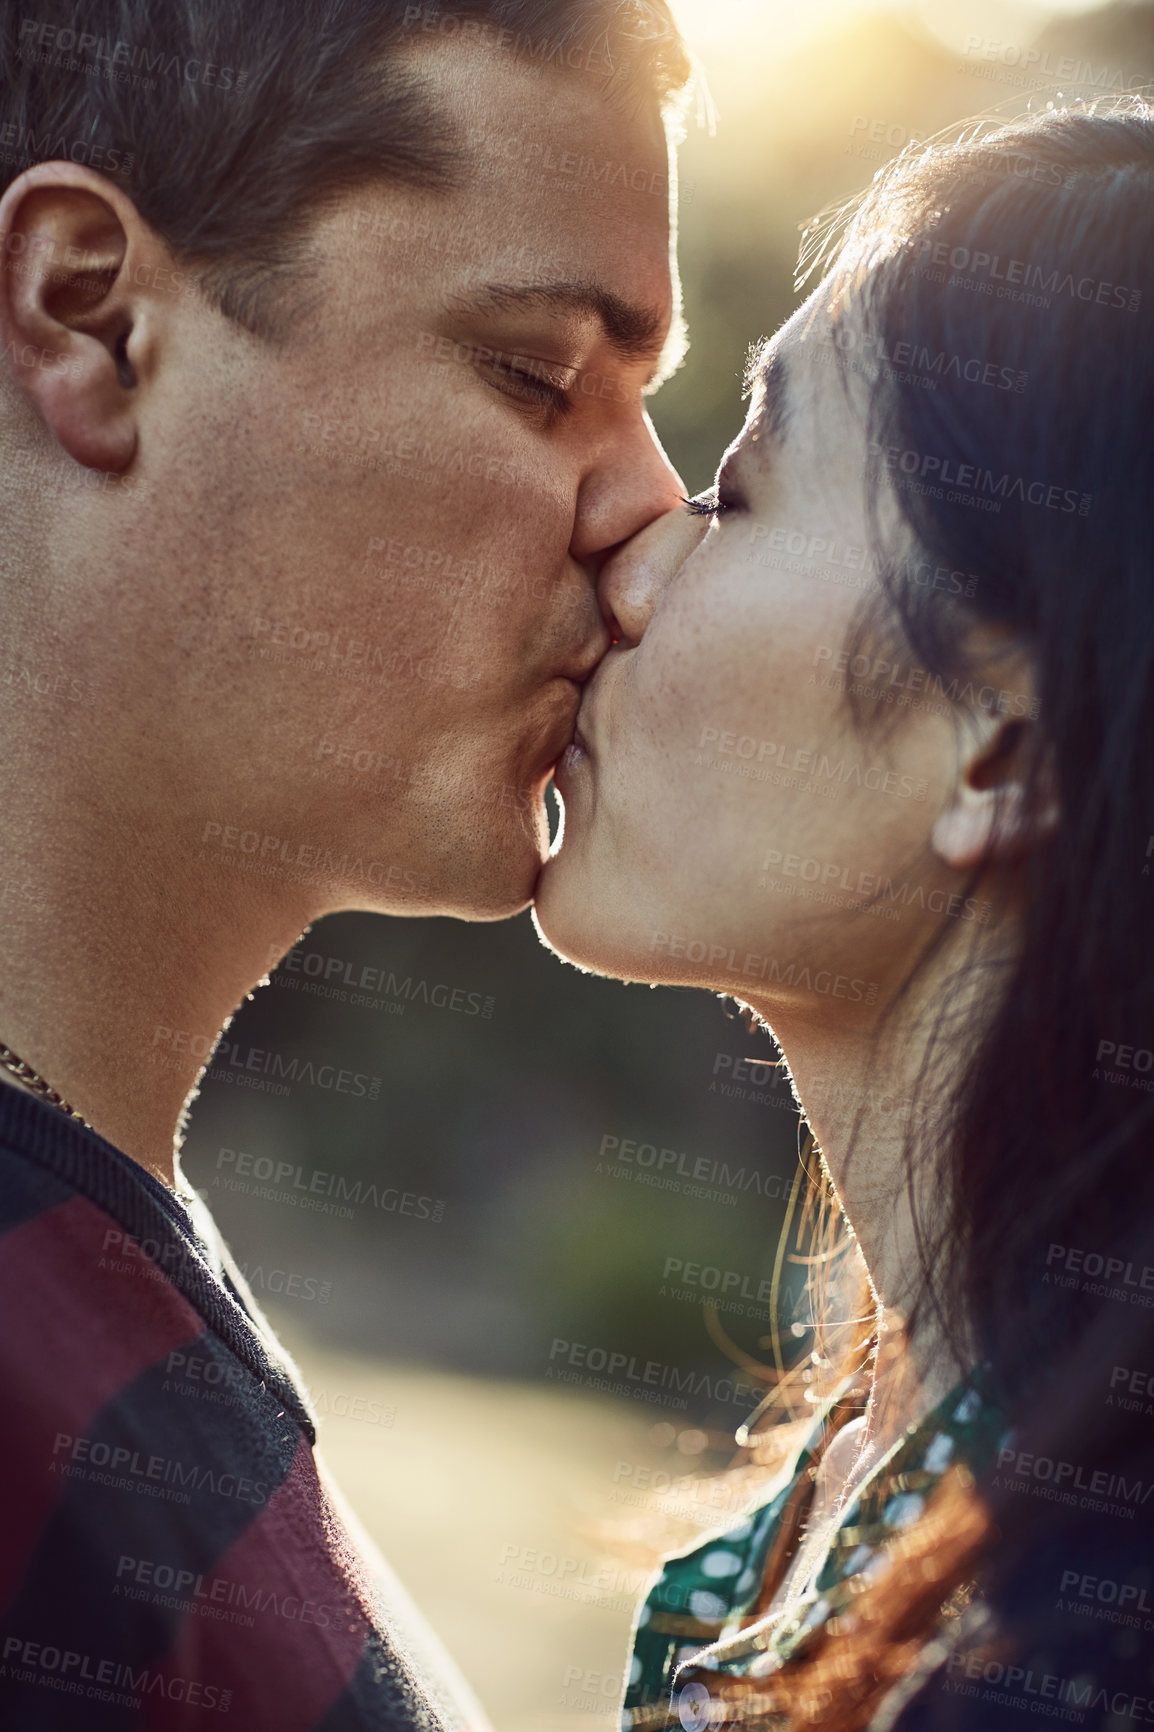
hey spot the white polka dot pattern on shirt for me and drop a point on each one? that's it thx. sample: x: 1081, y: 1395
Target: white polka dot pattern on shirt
x: 967, y: 1408
x: 717, y: 1565
x: 903, y: 1510
x: 857, y: 1560
x: 707, y: 1606
x: 937, y: 1456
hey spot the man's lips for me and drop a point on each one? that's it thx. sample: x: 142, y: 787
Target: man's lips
x: 594, y: 695
x: 576, y: 745
x: 561, y: 731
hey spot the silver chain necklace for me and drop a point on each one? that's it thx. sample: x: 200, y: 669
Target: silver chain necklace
x: 11, y: 1061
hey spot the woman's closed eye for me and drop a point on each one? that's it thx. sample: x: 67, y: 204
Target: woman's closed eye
x: 717, y: 503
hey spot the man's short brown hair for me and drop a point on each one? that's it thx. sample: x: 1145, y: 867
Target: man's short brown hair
x: 228, y: 122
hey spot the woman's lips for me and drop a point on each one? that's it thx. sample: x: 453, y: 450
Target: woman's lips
x: 576, y: 752
x: 579, y: 749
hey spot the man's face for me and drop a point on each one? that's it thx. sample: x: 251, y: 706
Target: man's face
x: 405, y: 507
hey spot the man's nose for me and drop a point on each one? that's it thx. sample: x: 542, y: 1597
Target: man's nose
x: 632, y: 484
x: 633, y: 581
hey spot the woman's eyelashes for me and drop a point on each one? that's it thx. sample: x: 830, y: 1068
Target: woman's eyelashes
x: 717, y: 503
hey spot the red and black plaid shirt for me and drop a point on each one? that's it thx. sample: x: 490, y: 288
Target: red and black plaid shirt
x: 169, y: 1556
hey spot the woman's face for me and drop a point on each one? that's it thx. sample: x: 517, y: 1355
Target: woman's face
x: 726, y: 823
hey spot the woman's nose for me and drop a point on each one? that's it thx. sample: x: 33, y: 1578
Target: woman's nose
x: 637, y: 575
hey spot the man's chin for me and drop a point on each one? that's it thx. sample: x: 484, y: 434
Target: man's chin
x: 500, y: 908
x: 499, y: 884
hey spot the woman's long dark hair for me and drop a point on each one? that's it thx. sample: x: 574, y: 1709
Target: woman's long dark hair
x: 1014, y: 270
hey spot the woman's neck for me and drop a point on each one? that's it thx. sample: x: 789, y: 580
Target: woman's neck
x: 881, y: 1128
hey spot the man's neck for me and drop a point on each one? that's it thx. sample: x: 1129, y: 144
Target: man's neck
x: 124, y: 959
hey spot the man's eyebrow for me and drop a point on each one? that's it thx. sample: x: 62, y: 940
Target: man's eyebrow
x: 768, y: 376
x: 636, y: 332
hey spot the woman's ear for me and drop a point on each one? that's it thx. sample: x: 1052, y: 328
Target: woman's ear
x: 993, y: 814
x: 74, y: 321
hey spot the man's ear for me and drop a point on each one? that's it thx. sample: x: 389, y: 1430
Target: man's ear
x: 992, y: 813
x: 77, y: 329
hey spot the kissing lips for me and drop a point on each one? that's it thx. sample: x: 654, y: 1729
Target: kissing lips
x: 573, y: 755
x: 579, y: 750
x: 576, y: 753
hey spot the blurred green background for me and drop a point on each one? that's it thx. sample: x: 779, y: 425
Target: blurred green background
x: 428, y: 1330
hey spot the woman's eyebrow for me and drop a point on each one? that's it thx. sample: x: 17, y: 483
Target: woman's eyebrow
x: 770, y: 379
x: 733, y: 473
